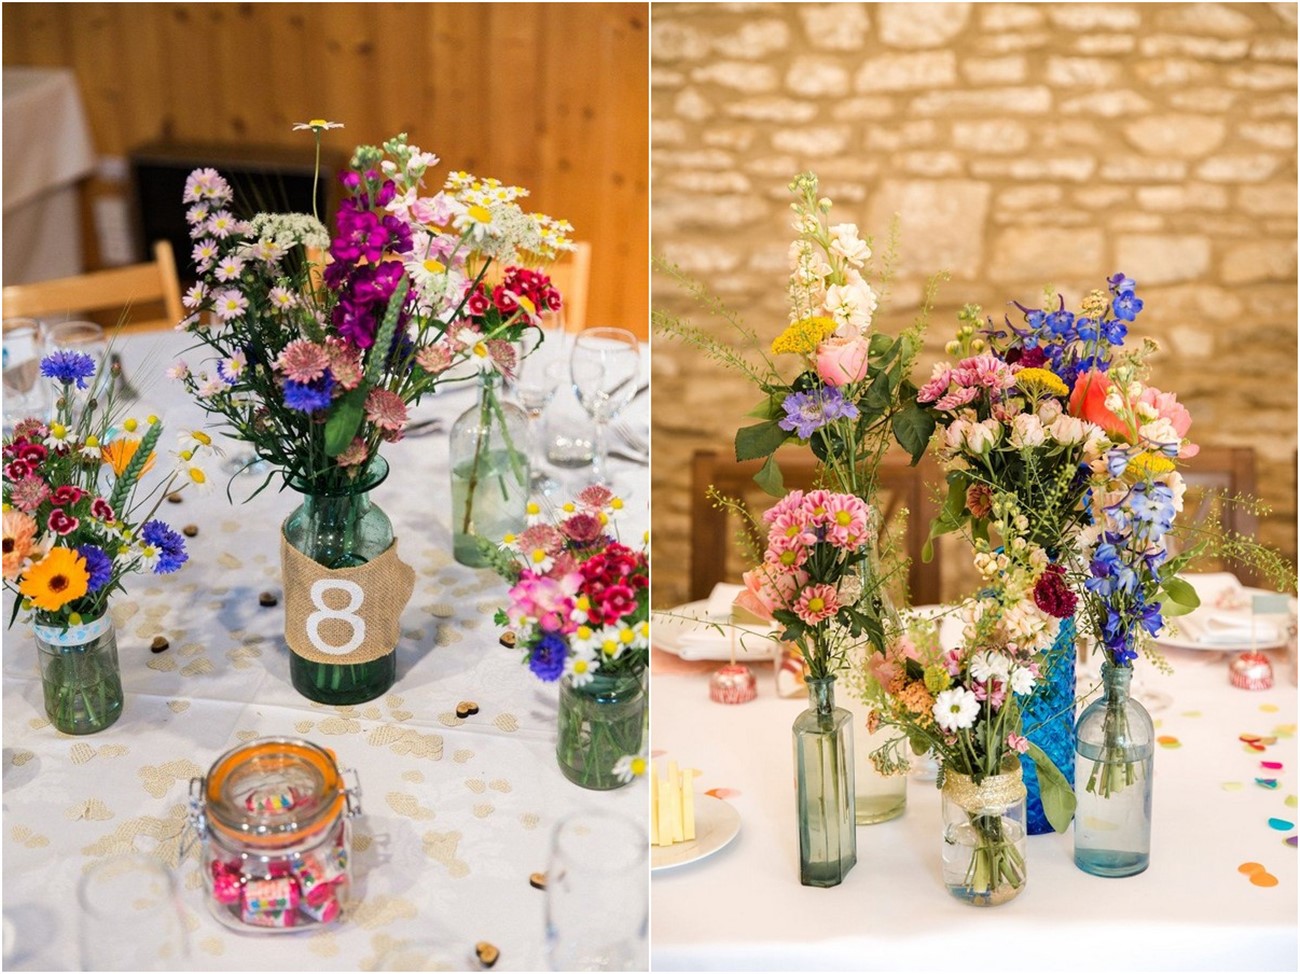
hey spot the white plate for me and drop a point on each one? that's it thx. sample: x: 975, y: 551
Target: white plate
x: 677, y: 631
x: 716, y: 824
x: 1183, y: 641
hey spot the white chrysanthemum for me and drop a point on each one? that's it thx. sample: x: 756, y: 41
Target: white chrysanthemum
x: 956, y: 709
x: 989, y: 665
x: 1022, y: 680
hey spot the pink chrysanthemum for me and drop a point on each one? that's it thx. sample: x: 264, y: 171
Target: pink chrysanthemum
x: 344, y: 362
x: 791, y: 503
x: 28, y: 493
x: 985, y: 371
x: 956, y: 399
x: 786, y: 554
x: 847, y: 520
x: 937, y: 386
x: 385, y: 409
x: 303, y: 361
x: 788, y: 528
x: 816, y: 604
x: 815, y: 506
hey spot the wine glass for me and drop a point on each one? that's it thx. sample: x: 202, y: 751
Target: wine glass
x: 541, y: 368
x: 597, y: 904
x: 605, y: 367
x: 24, y: 394
x: 131, y: 918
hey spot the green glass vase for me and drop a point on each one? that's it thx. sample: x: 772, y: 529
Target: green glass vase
x: 599, y: 722
x: 80, y: 678
x: 823, y: 759
x: 338, y: 526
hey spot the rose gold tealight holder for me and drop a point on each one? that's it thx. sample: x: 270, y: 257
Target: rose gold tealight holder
x: 1251, y: 671
x: 735, y: 682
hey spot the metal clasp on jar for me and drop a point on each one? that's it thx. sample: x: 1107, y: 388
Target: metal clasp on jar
x: 196, y: 820
x: 352, y: 793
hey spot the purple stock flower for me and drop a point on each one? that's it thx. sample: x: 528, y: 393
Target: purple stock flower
x: 807, y: 412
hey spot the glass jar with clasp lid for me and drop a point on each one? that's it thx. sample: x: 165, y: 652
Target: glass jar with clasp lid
x: 274, y: 817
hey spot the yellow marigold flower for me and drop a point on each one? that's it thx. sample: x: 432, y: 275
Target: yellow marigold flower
x: 55, y: 580
x: 118, y: 455
x: 803, y: 336
x: 1148, y: 464
x: 1038, y: 382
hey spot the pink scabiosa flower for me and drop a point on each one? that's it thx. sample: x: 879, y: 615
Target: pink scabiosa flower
x: 503, y: 356
x: 543, y: 537
x: 817, y: 603
x: 61, y: 523
x: 303, y: 361
x: 596, y: 497
x: 385, y: 409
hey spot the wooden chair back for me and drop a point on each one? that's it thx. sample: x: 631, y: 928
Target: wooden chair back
x: 715, y: 558
x: 115, y: 290
x: 571, y: 276
x: 1214, y: 477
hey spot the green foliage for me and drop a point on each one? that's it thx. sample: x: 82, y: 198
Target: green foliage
x: 344, y: 421
x: 1055, y: 792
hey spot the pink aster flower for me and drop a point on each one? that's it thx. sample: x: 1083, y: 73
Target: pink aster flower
x: 817, y: 604
x: 195, y: 295
x: 596, y: 497
x: 434, y: 358
x: 354, y: 454
x: 28, y: 493
x: 229, y: 304
x: 204, y: 253
x: 178, y: 371
x: 386, y: 409
x: 303, y: 361
x: 345, y: 362
x: 61, y: 523
x: 229, y: 268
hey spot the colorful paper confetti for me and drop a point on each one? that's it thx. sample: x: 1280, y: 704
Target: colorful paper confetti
x: 1271, y: 765
x: 1268, y: 708
x: 1270, y: 783
x: 723, y: 793
x: 1290, y: 840
x: 1232, y: 786
x: 1191, y: 713
x: 1257, y: 873
x: 1284, y: 730
x: 1264, y: 879
x: 1248, y: 738
x: 1167, y: 740
x: 1280, y: 824
x: 1250, y: 868
x: 1290, y: 801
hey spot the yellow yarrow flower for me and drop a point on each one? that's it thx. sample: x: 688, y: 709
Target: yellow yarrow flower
x: 1039, y: 382
x: 803, y: 336
x: 1147, y: 464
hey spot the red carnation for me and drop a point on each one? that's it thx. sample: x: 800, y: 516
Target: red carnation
x: 101, y: 509
x: 1052, y: 595
x: 614, y: 602
x: 61, y: 523
x: 67, y: 495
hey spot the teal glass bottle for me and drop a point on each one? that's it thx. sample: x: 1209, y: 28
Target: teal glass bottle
x: 823, y: 759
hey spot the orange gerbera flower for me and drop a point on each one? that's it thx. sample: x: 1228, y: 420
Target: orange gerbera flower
x: 55, y: 580
x: 118, y: 455
x: 19, y: 530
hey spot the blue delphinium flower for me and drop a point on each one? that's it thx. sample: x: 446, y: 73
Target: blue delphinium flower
x: 1153, y: 506
x: 68, y: 367
x: 309, y: 397
x: 98, y: 566
x: 1121, y: 284
x: 1126, y: 305
x: 170, y: 545
x: 547, y: 657
x: 1060, y: 323
x: 807, y: 412
x: 1115, y: 331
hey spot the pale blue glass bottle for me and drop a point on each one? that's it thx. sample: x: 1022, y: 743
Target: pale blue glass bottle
x: 1114, y: 758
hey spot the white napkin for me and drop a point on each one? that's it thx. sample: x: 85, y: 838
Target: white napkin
x: 1213, y: 627
x: 707, y: 642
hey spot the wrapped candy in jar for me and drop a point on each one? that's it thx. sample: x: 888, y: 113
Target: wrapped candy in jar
x: 274, y: 819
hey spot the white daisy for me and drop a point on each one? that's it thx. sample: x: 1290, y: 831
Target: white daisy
x: 1022, y: 680
x: 630, y: 766
x: 581, y: 668
x: 956, y: 709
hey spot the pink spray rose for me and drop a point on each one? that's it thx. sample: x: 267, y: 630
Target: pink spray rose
x: 1168, y: 407
x: 842, y: 360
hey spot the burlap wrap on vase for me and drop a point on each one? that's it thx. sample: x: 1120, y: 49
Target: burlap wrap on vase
x: 344, y: 615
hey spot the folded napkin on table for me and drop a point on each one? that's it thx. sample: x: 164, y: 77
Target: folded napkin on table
x: 1214, y: 627
x: 707, y: 642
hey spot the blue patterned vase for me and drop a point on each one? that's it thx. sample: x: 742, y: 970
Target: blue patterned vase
x: 1049, y: 721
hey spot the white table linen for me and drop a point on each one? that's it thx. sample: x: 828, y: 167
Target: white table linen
x: 457, y: 813
x: 744, y: 909
x: 47, y: 150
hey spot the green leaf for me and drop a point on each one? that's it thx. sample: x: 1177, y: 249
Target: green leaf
x: 769, y: 408
x: 912, y: 429
x: 345, y: 420
x: 953, y: 515
x: 1055, y: 792
x: 770, y: 479
x: 880, y: 345
x: 1181, y: 593
x: 756, y: 442
x: 878, y: 394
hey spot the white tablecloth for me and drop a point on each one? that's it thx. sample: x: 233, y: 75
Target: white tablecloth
x: 47, y: 150
x: 457, y: 813
x: 743, y: 907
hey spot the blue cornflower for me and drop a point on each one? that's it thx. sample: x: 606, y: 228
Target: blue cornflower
x: 807, y: 412
x: 170, y: 545
x: 98, y: 566
x: 547, y: 657
x: 68, y: 367
x: 1126, y: 305
x: 309, y: 397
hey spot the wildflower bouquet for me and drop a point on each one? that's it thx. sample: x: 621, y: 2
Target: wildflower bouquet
x: 808, y: 580
x: 75, y: 525
x: 315, y: 368
x: 580, y: 608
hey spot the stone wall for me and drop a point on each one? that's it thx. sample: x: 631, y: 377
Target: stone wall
x: 1021, y: 145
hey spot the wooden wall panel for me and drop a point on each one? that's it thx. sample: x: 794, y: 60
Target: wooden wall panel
x: 549, y: 96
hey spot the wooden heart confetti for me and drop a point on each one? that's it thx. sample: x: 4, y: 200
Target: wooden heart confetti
x: 1289, y: 803
x: 1268, y: 708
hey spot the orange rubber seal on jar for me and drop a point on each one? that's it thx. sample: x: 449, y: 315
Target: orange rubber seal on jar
x: 284, y: 753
